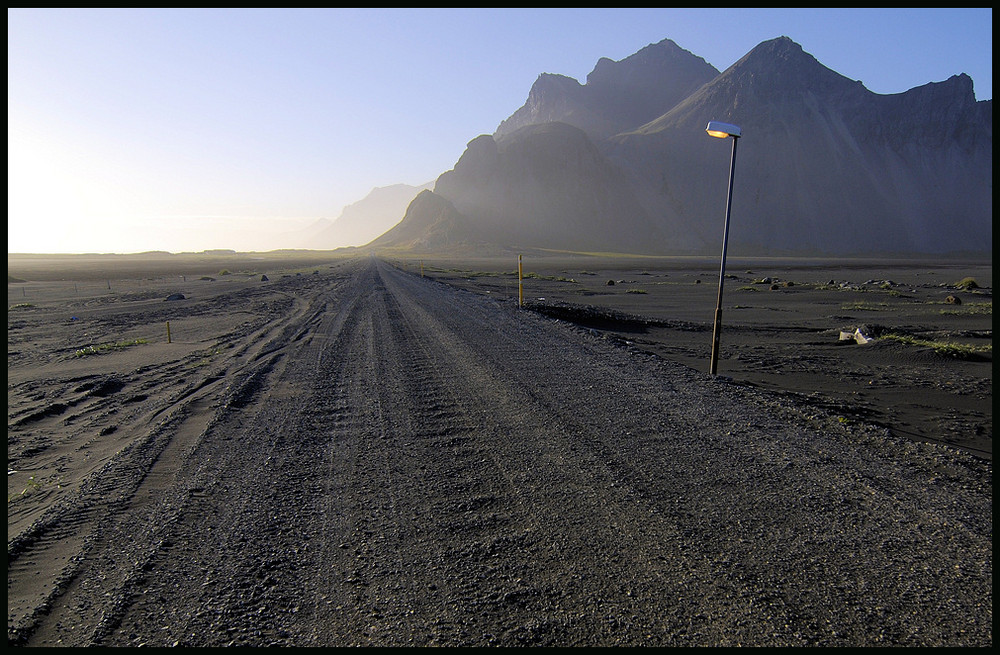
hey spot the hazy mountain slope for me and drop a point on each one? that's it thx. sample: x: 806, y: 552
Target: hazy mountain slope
x: 431, y: 222
x: 547, y: 186
x: 366, y: 219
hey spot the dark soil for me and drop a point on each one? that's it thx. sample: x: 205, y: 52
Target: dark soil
x: 368, y: 457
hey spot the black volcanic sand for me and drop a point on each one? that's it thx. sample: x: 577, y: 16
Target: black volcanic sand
x: 782, y: 323
x: 782, y: 319
x: 345, y: 454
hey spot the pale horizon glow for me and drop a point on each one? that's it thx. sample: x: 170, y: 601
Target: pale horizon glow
x: 131, y: 130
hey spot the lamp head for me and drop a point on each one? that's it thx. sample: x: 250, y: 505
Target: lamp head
x: 723, y: 130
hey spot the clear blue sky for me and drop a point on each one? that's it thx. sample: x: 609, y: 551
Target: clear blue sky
x: 188, y: 129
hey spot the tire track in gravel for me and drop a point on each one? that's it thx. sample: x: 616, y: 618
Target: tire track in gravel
x: 441, y: 524
x: 48, y: 605
x: 409, y: 447
x: 690, y: 465
x: 240, y: 532
x: 570, y: 504
x: 779, y: 501
x: 467, y: 507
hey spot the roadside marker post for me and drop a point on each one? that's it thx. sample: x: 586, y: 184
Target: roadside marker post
x: 168, y: 331
x: 520, y: 284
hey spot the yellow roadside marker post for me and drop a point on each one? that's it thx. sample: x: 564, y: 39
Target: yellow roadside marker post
x: 520, y: 284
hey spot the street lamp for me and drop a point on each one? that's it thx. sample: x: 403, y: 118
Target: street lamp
x: 723, y: 131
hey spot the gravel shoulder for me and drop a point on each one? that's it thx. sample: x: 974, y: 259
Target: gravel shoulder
x: 926, y: 374
x: 367, y: 456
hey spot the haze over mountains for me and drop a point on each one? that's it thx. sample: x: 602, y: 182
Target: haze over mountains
x: 362, y: 221
x: 622, y: 163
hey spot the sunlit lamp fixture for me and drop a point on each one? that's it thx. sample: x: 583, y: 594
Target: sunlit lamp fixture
x: 723, y: 131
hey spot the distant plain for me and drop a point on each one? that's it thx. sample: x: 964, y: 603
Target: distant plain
x: 928, y: 377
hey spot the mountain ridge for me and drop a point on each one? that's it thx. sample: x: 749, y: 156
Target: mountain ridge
x: 825, y: 166
x: 655, y: 79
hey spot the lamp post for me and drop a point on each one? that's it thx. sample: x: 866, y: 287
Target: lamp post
x: 723, y: 131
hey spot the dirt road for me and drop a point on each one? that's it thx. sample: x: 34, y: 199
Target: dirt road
x: 389, y: 461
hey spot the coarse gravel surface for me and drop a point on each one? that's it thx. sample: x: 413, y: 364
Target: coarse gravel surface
x: 389, y: 461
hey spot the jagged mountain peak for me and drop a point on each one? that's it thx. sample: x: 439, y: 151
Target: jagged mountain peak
x: 774, y: 76
x: 782, y: 66
x: 664, y: 58
x: 618, y: 95
x: 553, y: 80
x: 957, y: 88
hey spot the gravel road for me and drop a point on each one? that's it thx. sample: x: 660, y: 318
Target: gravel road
x: 399, y: 463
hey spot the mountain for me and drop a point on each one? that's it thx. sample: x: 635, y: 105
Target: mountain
x: 430, y: 223
x: 824, y: 166
x: 545, y: 186
x: 366, y: 219
x: 618, y: 95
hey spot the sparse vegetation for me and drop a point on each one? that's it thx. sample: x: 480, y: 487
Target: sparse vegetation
x: 866, y: 306
x: 635, y: 291
x: 774, y: 282
x: 104, y: 347
x: 966, y: 284
x: 985, y: 308
x: 20, y: 305
x: 550, y: 278
x: 33, y: 484
x: 945, y: 348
